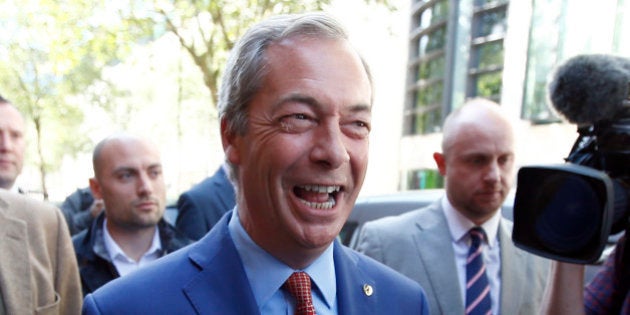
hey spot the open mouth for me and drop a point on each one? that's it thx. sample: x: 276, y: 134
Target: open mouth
x: 318, y: 196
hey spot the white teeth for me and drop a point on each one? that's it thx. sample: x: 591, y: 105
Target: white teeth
x: 321, y: 188
x: 320, y: 205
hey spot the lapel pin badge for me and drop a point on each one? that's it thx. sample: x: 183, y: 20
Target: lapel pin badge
x: 368, y: 290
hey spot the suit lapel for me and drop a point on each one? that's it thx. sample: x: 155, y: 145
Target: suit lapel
x: 15, y: 272
x: 222, y: 282
x: 351, y: 296
x: 436, y: 252
x: 512, y: 271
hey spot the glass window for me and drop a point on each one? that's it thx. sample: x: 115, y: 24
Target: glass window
x: 431, y: 95
x: 426, y: 121
x: 431, y: 69
x: 479, y: 3
x: 433, y: 41
x: 424, y: 179
x: 488, y: 85
x: 434, y: 14
x: 488, y: 55
x: 491, y: 23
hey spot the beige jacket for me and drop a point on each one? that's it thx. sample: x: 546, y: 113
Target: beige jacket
x: 38, y: 268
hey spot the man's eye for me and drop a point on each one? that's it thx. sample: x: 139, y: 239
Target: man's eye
x: 357, y: 129
x: 295, y: 123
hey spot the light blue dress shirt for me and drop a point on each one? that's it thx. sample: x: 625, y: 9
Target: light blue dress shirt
x: 266, y: 275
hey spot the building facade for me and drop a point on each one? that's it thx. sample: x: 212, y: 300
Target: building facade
x: 505, y: 51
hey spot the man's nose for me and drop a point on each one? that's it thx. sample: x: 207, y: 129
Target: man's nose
x: 145, y: 184
x: 6, y: 143
x: 329, y: 147
x: 493, y: 172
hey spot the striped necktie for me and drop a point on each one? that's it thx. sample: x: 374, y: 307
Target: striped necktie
x: 299, y: 285
x: 477, y: 287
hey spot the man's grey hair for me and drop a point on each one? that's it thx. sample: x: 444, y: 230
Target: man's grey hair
x: 246, y: 66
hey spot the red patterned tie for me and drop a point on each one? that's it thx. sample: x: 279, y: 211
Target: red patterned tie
x: 299, y: 285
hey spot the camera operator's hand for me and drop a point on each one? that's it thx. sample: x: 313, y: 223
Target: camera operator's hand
x: 564, y: 292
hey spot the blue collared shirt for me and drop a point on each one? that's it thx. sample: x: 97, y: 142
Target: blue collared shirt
x: 266, y: 275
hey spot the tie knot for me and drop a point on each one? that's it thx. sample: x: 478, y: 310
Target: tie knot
x: 477, y: 235
x: 299, y: 285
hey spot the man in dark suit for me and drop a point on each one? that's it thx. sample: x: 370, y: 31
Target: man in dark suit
x: 295, y: 112
x: 201, y: 207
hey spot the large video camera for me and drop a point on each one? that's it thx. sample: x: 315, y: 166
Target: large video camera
x: 567, y: 212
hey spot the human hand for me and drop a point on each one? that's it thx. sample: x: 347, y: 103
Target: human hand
x: 97, y: 207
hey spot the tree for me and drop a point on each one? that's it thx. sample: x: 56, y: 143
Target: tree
x: 52, y: 53
x: 208, y: 29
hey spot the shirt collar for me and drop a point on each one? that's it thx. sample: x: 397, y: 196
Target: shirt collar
x: 115, y: 251
x: 459, y: 225
x: 266, y: 274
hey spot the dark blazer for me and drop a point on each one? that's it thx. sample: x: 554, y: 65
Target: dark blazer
x: 76, y: 210
x: 204, y: 204
x: 418, y: 245
x: 208, y: 277
x: 97, y: 270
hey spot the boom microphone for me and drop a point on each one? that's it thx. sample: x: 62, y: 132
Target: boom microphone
x: 591, y: 88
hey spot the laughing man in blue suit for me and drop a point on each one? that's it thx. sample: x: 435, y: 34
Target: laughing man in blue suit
x: 295, y: 111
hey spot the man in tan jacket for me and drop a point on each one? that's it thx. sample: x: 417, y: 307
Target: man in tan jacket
x: 38, y: 269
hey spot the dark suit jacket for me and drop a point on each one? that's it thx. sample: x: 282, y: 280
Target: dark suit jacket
x: 96, y: 269
x: 204, y: 204
x: 208, y: 277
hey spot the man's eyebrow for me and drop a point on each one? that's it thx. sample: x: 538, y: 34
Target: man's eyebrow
x: 124, y: 169
x: 154, y: 166
x: 361, y: 108
x: 296, y: 97
x: 312, y: 102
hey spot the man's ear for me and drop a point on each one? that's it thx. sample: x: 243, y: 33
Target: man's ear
x: 230, y: 144
x: 440, y: 162
x: 95, y: 187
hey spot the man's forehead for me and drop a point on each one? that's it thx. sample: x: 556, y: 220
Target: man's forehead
x: 130, y: 155
x: 10, y: 118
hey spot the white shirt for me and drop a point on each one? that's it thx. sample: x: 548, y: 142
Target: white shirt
x: 459, y: 226
x: 123, y: 263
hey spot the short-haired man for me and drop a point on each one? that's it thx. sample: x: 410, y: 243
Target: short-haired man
x: 438, y: 246
x: 131, y: 232
x: 12, y: 144
x: 295, y: 109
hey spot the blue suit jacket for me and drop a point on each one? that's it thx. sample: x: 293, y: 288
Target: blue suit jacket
x: 208, y: 277
x: 204, y: 204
